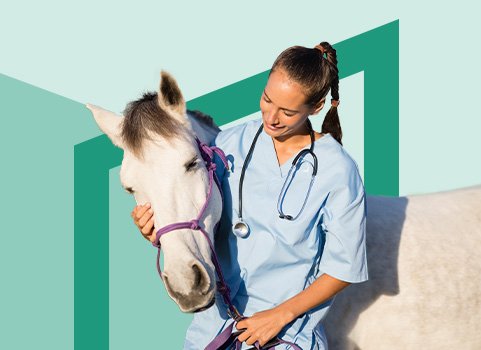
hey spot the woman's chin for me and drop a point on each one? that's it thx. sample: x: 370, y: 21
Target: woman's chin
x: 271, y: 131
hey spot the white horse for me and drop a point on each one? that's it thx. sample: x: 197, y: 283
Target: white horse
x: 162, y: 165
x: 424, y: 287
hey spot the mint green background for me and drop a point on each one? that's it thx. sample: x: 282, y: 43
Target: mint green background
x: 91, y: 52
x: 107, y: 53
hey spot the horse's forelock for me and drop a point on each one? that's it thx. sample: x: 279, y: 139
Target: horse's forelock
x: 143, y: 115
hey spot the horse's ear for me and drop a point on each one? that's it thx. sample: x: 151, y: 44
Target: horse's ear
x: 170, y: 96
x: 108, y: 122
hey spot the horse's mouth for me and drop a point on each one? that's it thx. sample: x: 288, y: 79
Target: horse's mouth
x: 206, y: 306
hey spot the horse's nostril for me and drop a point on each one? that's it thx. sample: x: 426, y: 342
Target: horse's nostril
x: 197, y: 276
x: 200, y: 278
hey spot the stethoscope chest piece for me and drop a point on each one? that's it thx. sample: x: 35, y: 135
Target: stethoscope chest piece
x: 240, y: 228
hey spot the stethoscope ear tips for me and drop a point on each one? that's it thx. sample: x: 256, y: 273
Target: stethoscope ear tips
x: 287, y: 217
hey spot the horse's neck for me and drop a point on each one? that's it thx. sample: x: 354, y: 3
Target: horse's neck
x: 204, y: 132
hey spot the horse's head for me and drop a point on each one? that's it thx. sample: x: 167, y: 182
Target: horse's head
x: 162, y: 165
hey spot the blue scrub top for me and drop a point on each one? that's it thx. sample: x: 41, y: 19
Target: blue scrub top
x: 280, y: 258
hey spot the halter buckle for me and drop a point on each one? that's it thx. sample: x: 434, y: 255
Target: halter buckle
x: 234, y: 313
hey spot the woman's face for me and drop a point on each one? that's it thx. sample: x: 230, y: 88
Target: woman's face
x: 282, y: 105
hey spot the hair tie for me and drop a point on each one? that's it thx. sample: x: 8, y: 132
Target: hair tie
x: 320, y: 48
x: 334, y: 103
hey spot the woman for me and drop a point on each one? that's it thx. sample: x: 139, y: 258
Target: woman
x: 306, y: 240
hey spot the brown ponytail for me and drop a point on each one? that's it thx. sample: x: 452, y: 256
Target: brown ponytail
x: 317, y: 75
x: 331, y: 122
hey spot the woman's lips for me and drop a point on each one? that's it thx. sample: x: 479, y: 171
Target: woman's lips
x: 273, y: 128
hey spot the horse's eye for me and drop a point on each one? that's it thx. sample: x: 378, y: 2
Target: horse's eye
x: 190, y: 165
x: 129, y: 190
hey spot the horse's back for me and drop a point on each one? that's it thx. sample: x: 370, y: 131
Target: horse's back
x: 424, y: 264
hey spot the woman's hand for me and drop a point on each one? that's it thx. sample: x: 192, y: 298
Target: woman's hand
x: 143, y: 217
x: 262, y: 326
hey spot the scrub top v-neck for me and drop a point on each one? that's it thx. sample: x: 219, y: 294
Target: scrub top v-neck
x: 280, y: 258
x: 271, y: 154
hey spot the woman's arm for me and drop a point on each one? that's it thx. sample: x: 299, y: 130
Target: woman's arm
x: 265, y: 325
x: 321, y: 290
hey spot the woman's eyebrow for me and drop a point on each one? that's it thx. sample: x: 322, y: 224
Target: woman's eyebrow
x: 286, y: 109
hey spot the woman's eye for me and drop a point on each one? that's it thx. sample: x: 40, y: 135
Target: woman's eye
x: 129, y: 190
x: 289, y: 115
x: 265, y: 99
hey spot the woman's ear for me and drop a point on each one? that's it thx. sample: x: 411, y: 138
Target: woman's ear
x: 319, y: 106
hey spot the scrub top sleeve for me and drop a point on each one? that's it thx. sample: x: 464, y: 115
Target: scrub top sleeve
x: 344, y: 224
x: 220, y: 169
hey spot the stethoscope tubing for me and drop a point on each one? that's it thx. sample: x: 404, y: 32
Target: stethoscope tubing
x: 244, y: 168
x: 240, y: 222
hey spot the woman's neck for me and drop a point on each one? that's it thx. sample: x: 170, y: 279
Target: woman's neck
x: 296, y: 141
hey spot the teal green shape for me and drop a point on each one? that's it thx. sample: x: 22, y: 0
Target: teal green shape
x: 91, y: 242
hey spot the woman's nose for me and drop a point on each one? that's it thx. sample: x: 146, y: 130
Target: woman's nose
x: 272, y: 115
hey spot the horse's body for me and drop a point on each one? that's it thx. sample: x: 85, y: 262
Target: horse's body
x: 424, y: 288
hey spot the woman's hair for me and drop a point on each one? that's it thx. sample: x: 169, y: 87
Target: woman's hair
x: 316, y: 74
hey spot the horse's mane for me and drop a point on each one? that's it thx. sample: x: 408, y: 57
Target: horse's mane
x: 204, y: 119
x: 143, y: 115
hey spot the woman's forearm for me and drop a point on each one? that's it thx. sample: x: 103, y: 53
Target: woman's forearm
x: 321, y: 290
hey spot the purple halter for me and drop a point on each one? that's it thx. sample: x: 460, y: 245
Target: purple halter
x: 227, y: 337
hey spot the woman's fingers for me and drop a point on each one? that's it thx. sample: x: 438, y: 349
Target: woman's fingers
x: 139, y: 211
x: 245, y: 336
x: 145, y: 218
x: 148, y: 231
x: 147, y: 228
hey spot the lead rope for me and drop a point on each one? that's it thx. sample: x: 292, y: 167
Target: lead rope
x: 227, y: 339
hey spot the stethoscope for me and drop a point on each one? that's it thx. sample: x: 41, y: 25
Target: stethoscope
x: 240, y: 227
